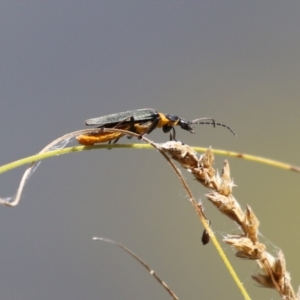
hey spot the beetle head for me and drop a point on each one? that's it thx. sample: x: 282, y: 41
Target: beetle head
x: 175, y: 120
x: 186, y: 125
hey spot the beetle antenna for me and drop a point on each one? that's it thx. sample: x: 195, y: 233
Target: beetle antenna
x: 210, y: 121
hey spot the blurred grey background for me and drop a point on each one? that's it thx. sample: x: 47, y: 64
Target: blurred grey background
x: 66, y: 61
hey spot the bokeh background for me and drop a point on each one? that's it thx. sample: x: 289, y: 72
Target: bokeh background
x: 66, y: 61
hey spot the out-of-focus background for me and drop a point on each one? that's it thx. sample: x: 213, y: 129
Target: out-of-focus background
x: 64, y: 62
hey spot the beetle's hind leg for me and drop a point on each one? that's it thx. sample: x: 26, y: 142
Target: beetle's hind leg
x: 114, y: 142
x: 151, y: 127
x: 131, y: 127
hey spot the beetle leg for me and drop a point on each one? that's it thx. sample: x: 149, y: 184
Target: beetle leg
x: 172, y: 131
x: 173, y: 136
x: 131, y: 126
x: 153, y: 125
x: 109, y: 142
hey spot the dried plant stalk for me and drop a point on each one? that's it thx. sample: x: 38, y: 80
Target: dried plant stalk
x: 247, y: 245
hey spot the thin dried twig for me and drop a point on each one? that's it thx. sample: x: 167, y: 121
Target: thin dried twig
x: 144, y: 264
x: 58, y: 143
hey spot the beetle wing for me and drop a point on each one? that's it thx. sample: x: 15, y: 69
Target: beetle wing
x: 144, y: 114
